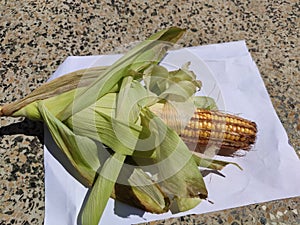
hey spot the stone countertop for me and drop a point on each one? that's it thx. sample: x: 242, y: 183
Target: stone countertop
x: 36, y: 37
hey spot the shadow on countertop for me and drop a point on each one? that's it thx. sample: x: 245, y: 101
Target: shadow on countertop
x: 25, y: 127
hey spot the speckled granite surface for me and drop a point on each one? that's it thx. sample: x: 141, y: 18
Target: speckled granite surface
x: 36, y: 36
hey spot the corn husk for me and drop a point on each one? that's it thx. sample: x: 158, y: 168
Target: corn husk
x: 106, y: 123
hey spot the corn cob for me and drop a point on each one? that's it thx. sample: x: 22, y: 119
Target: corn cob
x: 227, y: 132
x: 212, y: 130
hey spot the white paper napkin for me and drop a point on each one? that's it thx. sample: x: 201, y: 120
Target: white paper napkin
x: 270, y: 170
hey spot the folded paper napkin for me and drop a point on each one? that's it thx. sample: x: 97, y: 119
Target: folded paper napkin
x: 229, y: 74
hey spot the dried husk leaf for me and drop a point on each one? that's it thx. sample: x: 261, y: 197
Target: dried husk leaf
x: 79, y: 78
x: 210, y: 163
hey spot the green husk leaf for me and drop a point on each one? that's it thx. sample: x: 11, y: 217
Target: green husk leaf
x: 138, y: 59
x: 129, y: 100
x: 122, y: 132
x: 179, y: 92
x: 182, y: 85
x: 185, y: 74
x: 54, y: 105
x: 204, y: 102
x: 29, y: 111
x: 178, y: 171
x: 178, y: 85
x: 81, y: 151
x: 102, y: 189
x: 156, y: 79
x: 93, y: 123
